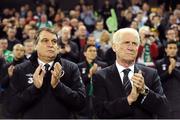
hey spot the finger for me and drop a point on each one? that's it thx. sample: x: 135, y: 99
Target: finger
x: 38, y: 69
x: 137, y: 82
x: 54, y: 74
x: 42, y: 74
x: 137, y: 78
x: 57, y: 67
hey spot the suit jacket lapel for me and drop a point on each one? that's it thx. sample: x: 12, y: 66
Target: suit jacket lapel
x: 137, y: 67
x: 116, y: 79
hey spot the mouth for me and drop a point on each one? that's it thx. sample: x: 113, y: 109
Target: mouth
x: 51, y: 51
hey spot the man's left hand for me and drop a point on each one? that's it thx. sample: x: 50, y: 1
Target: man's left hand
x: 56, y: 73
x: 138, y: 81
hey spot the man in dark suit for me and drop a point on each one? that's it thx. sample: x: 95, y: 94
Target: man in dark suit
x: 169, y: 71
x: 46, y: 86
x: 126, y: 89
x: 88, y: 68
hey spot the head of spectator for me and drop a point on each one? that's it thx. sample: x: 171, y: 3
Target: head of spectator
x: 145, y: 7
x: 18, y: 52
x: 170, y: 34
x: 44, y: 18
x: 156, y: 20
x: 74, y: 22
x: 65, y: 22
x: 99, y: 25
x: 65, y: 34
x: 3, y: 44
x: 72, y: 14
x: 11, y: 33
x: 145, y: 35
x: 29, y: 47
x: 91, y: 40
x: 105, y: 38
x: 172, y: 19
x: 31, y: 33
x: 82, y: 31
x: 171, y: 49
x: 134, y: 24
x: 27, y: 28
x: 90, y: 53
x: 128, y: 15
x: 176, y: 28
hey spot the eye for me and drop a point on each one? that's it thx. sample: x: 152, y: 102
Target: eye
x: 44, y: 40
x: 134, y: 43
x: 54, y: 41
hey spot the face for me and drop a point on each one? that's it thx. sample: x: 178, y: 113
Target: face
x: 3, y: 44
x: 82, y: 31
x: 91, y: 40
x: 18, y: 51
x: 11, y: 32
x: 99, y: 25
x: 31, y: 33
x: 126, y: 49
x: 91, y: 53
x: 47, y: 47
x: 171, y: 50
x: 170, y: 35
x: 65, y: 35
x: 29, y: 47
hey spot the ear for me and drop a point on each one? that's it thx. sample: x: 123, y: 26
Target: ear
x: 166, y: 50
x: 84, y: 54
x: 114, y: 47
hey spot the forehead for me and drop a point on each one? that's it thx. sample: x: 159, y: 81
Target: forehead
x: 91, y: 48
x: 172, y: 45
x: 128, y: 37
x: 18, y: 48
x: 48, y: 35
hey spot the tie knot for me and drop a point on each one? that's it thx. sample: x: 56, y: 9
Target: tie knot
x: 126, y: 71
x: 46, y: 67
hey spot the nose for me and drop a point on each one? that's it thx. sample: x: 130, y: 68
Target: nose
x: 50, y: 44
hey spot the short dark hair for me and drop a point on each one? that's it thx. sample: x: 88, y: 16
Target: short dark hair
x: 171, y: 42
x: 87, y: 46
x: 44, y: 29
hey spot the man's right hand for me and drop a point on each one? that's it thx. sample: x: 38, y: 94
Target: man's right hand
x: 132, y: 97
x: 38, y: 77
x: 172, y: 65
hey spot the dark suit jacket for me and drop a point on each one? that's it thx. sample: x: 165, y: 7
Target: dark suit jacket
x: 111, y: 102
x: 170, y: 83
x: 61, y: 102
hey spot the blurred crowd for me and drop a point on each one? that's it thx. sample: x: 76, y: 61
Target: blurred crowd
x: 84, y: 26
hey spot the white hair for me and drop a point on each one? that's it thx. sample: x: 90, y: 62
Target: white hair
x: 118, y: 34
x: 144, y: 28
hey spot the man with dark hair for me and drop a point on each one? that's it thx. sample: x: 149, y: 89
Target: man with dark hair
x: 169, y: 71
x: 88, y: 68
x: 46, y: 86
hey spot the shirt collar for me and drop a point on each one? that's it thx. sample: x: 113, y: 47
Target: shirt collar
x: 121, y: 68
x: 42, y: 63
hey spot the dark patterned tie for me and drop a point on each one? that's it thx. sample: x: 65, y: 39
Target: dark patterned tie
x: 46, y: 67
x: 126, y: 81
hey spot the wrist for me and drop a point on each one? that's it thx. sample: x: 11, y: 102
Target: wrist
x: 145, y: 91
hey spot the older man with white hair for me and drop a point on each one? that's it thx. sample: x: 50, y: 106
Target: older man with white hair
x: 127, y: 89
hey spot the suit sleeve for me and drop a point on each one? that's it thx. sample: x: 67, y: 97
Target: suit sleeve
x: 104, y: 107
x: 22, y: 96
x: 156, y: 102
x: 164, y: 75
x: 73, y: 96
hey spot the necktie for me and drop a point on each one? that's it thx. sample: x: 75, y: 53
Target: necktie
x: 46, y: 66
x: 126, y: 81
